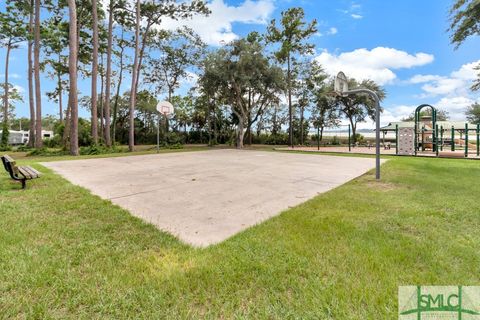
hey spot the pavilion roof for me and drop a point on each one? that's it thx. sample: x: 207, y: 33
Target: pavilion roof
x: 458, y: 125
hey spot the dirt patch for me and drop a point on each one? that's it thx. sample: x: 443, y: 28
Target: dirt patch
x: 380, y: 185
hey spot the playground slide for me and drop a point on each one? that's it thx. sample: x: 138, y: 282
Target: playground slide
x: 462, y: 143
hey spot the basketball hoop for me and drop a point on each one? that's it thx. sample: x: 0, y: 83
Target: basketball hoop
x: 341, y: 83
x: 165, y: 108
x: 341, y: 89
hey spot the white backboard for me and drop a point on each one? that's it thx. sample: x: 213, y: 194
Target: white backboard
x: 341, y: 83
x: 165, y: 108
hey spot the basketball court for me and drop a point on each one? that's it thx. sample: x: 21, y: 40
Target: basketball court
x: 206, y: 197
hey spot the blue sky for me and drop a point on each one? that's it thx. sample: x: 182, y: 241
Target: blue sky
x: 403, y: 45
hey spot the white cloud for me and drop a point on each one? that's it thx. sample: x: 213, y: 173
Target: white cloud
x: 332, y: 31
x: 376, y: 64
x: 446, y: 86
x: 467, y: 71
x: 354, y: 11
x: 389, y: 115
x: 455, y: 106
x: 10, y: 75
x: 396, y: 113
x: 456, y: 84
x: 217, y: 27
x: 424, y: 78
x: 452, y: 92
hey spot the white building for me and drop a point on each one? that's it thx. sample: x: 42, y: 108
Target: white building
x: 22, y: 137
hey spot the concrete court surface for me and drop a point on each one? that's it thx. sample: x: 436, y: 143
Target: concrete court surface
x: 206, y: 197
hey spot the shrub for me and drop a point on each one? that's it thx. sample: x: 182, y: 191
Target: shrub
x: 46, y: 152
x: 175, y: 146
x: 24, y: 148
x: 4, y: 139
x: 279, y: 138
x: 359, y: 138
x: 174, y: 138
x: 5, y: 148
x: 98, y: 149
x: 54, y: 142
x: 335, y: 141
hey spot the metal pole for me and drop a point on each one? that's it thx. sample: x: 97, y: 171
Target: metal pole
x: 318, y: 138
x: 349, y: 142
x: 374, y: 95
x: 423, y: 138
x: 441, y: 138
x: 453, y: 138
x: 478, y: 140
x: 466, y: 140
x: 416, y: 136
x: 435, y: 131
x: 396, y: 139
x: 377, y: 136
x: 158, y: 133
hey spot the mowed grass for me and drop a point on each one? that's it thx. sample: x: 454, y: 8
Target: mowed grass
x: 66, y: 254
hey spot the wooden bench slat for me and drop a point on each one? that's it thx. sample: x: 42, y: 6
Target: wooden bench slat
x: 30, y: 171
x: 25, y: 173
x: 33, y: 171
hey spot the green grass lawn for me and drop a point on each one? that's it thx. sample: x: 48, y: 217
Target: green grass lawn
x: 65, y: 253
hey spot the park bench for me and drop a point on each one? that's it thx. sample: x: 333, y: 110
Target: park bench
x: 18, y: 173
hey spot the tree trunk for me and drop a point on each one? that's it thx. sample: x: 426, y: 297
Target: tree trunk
x: 260, y: 126
x: 31, y: 97
x: 302, y: 109
x: 354, y: 130
x: 72, y: 67
x: 274, y: 120
x: 215, y: 126
x: 248, y: 132
x: 102, y: 102
x: 66, y: 130
x: 68, y: 122
x: 94, y: 97
x: 290, y: 111
x: 133, y: 91
x: 115, y: 106
x: 240, y: 133
x: 108, y: 141
x: 38, y: 92
x: 167, y: 126
x: 60, y: 93
x: 141, y: 53
x: 6, y: 88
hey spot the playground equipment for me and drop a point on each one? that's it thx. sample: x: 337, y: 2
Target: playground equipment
x: 425, y: 129
x: 436, y: 138
x: 457, y: 144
